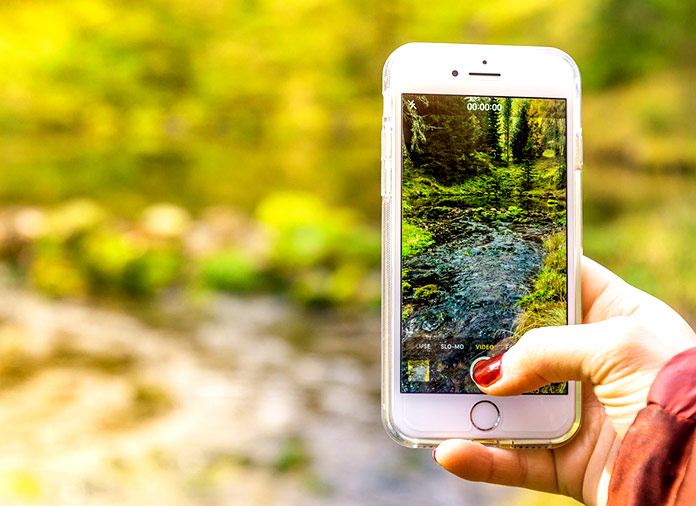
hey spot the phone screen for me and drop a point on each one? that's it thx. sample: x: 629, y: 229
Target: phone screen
x: 483, y: 228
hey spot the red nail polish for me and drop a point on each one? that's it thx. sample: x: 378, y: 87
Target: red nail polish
x: 488, y: 371
x: 434, y: 457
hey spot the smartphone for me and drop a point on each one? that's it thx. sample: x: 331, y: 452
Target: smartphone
x: 481, y: 226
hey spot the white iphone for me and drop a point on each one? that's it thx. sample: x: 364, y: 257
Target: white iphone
x: 481, y: 159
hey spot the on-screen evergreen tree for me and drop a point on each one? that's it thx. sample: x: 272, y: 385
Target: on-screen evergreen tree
x: 441, y: 135
x: 492, y: 131
x: 523, y: 144
x: 507, y: 120
x: 522, y: 148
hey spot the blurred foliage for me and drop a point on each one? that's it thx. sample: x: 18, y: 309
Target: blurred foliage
x: 643, y: 225
x: 257, y: 123
x: 216, y: 102
x: 231, y: 271
x: 258, y: 107
x: 635, y: 37
x: 298, y: 246
x: 293, y: 456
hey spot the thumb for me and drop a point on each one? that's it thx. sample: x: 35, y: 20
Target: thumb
x: 551, y: 354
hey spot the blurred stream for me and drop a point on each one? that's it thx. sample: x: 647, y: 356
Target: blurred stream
x: 107, y: 410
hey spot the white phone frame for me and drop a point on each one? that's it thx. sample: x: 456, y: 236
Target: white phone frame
x: 423, y: 420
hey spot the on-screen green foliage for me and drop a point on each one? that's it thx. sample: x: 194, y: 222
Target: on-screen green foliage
x: 406, y: 311
x: 506, y: 164
x: 546, y: 304
x: 493, y: 130
x: 414, y: 239
x: 425, y: 292
x: 506, y: 117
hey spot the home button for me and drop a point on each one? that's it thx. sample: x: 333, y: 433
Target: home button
x: 485, y: 415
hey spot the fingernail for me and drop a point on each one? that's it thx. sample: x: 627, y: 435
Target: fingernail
x: 435, y: 457
x: 488, y: 371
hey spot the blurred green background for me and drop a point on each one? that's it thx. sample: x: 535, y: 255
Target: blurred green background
x: 189, y: 233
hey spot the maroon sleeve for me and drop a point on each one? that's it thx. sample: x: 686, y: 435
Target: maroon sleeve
x: 654, y: 466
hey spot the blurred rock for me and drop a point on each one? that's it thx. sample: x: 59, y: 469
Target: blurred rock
x: 73, y: 217
x: 29, y: 223
x: 220, y: 228
x: 20, y: 225
x: 166, y: 221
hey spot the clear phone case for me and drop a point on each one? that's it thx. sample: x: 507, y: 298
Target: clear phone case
x: 515, y: 227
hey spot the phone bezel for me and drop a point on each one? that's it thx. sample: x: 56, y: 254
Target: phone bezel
x: 427, y: 419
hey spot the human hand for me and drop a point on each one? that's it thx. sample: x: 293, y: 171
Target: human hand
x: 626, y: 338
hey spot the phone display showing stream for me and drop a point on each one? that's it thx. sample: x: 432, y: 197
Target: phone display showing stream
x: 483, y: 232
